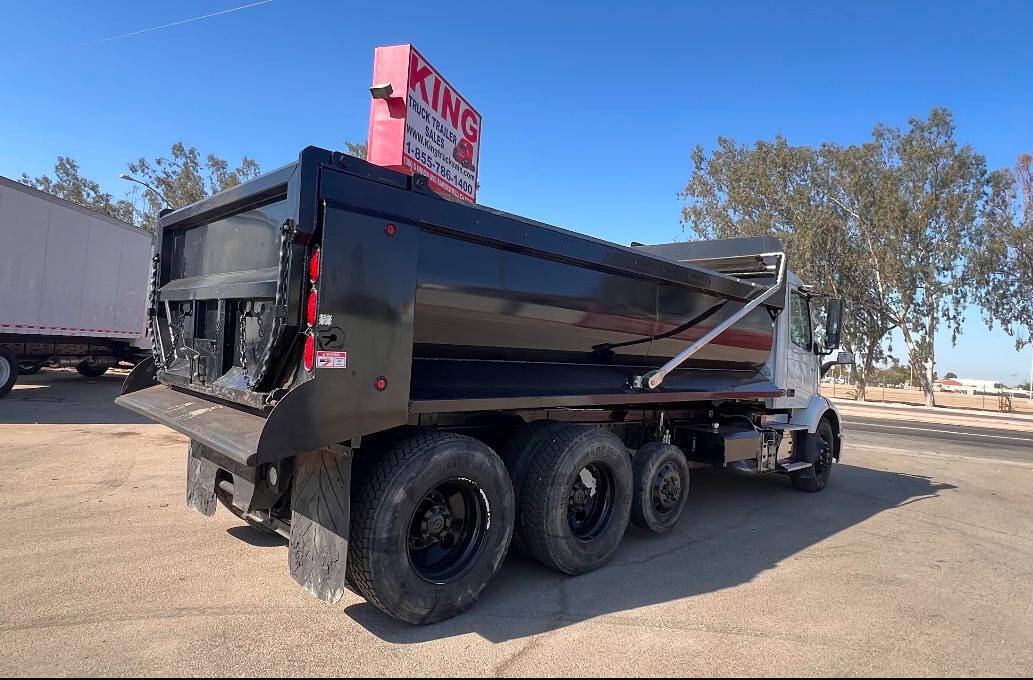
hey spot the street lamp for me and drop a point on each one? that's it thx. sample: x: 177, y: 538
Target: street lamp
x: 130, y: 178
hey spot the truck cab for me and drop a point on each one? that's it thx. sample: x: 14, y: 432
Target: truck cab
x: 407, y: 387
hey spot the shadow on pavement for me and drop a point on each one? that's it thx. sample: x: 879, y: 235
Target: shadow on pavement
x: 257, y: 537
x: 734, y: 528
x: 62, y: 396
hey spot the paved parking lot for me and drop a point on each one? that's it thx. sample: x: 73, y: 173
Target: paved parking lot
x: 916, y: 560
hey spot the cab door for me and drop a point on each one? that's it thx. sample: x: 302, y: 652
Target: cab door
x: 801, y: 362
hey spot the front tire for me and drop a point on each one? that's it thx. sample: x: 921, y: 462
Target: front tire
x: 431, y: 522
x: 576, y: 499
x: 8, y: 371
x: 817, y: 450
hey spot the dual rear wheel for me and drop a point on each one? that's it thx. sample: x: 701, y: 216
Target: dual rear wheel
x: 433, y: 517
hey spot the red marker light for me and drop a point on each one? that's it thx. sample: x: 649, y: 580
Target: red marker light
x: 310, y: 308
x: 390, y: 230
x: 380, y: 383
x: 310, y: 352
x: 313, y: 265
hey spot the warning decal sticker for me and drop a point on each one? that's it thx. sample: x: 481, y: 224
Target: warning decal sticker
x: 325, y: 359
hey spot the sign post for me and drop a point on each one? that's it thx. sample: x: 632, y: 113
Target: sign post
x: 421, y: 124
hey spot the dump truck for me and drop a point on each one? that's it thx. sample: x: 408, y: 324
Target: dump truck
x: 405, y: 386
x: 73, y: 286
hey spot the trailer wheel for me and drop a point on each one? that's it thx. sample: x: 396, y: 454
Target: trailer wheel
x: 91, y: 370
x: 430, y: 525
x: 517, y: 455
x: 8, y: 370
x: 661, y: 486
x: 28, y: 369
x: 815, y: 449
x: 576, y: 499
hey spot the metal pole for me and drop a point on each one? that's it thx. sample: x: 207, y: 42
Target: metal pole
x: 653, y: 379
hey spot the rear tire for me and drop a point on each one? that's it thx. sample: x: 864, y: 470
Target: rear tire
x: 91, y: 370
x: 661, y: 486
x: 431, y: 521
x: 576, y: 499
x: 815, y: 449
x: 8, y: 371
x: 517, y: 454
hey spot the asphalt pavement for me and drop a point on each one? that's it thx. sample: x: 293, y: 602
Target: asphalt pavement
x: 915, y: 560
x: 977, y: 441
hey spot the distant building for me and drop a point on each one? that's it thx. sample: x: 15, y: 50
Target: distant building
x: 975, y: 386
x: 948, y: 385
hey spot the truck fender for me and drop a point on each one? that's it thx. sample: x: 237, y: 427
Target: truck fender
x: 819, y: 407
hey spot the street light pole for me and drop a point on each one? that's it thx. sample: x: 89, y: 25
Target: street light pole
x: 130, y: 178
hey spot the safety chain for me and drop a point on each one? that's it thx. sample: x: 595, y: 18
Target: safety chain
x: 152, y: 310
x: 243, y: 346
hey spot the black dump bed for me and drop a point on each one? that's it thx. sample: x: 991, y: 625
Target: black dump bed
x: 420, y: 305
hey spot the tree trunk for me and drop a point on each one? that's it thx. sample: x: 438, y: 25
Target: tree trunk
x: 930, y: 362
x: 866, y: 368
x: 922, y: 360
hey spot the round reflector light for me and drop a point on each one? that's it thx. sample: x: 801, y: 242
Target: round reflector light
x: 310, y: 308
x: 310, y: 352
x: 313, y: 265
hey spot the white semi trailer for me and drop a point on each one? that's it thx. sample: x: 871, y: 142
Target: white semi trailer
x: 73, y: 286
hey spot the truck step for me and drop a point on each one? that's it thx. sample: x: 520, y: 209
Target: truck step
x: 793, y: 467
x: 784, y: 427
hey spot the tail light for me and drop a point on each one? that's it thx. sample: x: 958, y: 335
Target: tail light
x: 313, y: 265
x: 310, y: 308
x: 310, y: 351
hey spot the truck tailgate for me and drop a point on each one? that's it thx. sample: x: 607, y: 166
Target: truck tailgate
x: 230, y: 431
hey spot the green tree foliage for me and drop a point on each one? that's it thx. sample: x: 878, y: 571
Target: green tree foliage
x: 183, y: 177
x: 359, y: 150
x: 950, y: 376
x: 68, y: 184
x: 1003, y: 266
x: 892, y: 225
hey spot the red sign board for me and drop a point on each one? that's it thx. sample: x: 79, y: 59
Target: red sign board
x: 425, y: 126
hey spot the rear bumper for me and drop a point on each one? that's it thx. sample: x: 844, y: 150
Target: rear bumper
x: 231, y: 432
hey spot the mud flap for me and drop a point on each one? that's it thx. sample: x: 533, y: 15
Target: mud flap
x: 200, y: 481
x: 320, y: 514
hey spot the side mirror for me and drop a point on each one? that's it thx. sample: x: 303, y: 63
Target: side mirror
x: 833, y: 325
x: 842, y: 358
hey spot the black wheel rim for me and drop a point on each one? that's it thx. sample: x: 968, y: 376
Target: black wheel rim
x: 447, y: 529
x: 590, y: 504
x: 824, y: 459
x: 667, y: 489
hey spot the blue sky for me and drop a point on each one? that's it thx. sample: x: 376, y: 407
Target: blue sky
x: 590, y: 109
